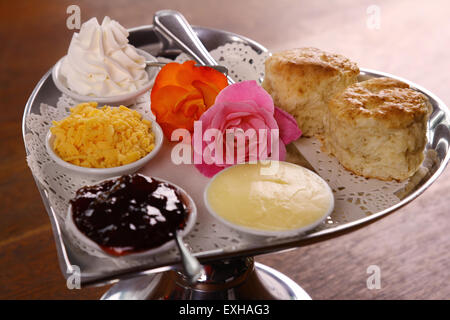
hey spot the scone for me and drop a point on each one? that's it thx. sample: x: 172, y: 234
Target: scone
x: 302, y: 81
x: 377, y: 128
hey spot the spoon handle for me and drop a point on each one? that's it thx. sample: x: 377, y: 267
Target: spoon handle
x: 173, y: 26
x: 192, y: 268
x: 219, y: 68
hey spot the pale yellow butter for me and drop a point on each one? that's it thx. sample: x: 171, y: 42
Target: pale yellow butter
x: 291, y: 198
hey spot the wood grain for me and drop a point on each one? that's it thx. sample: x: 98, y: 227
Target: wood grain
x: 411, y: 246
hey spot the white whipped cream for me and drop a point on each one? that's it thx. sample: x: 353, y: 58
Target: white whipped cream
x: 100, y: 61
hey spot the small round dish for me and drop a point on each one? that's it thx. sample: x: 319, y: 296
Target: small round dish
x: 270, y: 233
x: 123, y: 99
x: 92, y: 245
x: 103, y: 173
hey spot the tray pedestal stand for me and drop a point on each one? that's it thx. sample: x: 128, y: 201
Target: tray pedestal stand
x: 235, y: 279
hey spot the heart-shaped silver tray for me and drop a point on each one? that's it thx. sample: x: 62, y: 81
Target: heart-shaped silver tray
x: 95, y: 270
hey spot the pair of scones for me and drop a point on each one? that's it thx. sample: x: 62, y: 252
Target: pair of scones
x: 375, y: 128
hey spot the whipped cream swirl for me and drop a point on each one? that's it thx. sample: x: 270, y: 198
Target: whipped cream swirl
x: 101, y: 63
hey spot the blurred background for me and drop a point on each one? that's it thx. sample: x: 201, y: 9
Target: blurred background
x: 407, y: 38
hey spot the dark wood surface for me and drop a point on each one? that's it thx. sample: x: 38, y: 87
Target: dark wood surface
x: 411, y: 246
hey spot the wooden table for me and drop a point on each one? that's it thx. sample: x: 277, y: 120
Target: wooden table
x: 411, y: 246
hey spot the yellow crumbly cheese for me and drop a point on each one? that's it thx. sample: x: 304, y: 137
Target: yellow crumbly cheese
x: 102, y: 138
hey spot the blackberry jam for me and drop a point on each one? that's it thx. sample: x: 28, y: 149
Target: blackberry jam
x: 130, y: 214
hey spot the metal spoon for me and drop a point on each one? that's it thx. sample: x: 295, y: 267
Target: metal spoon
x: 219, y: 68
x: 173, y: 26
x: 192, y: 268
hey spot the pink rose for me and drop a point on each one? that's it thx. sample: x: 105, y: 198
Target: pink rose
x: 240, y: 127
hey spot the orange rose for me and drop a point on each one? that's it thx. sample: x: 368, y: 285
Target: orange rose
x: 182, y: 92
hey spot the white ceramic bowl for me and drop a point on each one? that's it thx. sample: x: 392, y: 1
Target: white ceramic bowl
x: 102, y: 173
x: 190, y: 223
x: 124, y: 99
x: 270, y: 233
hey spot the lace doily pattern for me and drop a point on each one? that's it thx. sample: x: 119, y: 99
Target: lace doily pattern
x: 242, y: 61
x: 355, y: 197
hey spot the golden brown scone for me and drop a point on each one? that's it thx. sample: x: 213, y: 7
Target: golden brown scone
x: 302, y: 81
x: 377, y: 128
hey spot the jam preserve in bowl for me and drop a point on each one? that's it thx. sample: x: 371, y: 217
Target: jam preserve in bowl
x: 132, y: 215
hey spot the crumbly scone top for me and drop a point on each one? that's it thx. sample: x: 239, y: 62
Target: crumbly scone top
x: 310, y: 56
x: 383, y: 99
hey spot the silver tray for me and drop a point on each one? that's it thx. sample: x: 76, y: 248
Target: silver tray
x: 96, y: 271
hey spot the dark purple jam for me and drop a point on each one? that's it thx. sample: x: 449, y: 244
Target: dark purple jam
x: 130, y: 214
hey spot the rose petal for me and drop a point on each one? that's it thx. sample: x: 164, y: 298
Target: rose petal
x: 170, y: 102
x: 257, y: 123
x: 208, y: 92
x: 167, y: 76
x: 217, y: 114
x: 237, y: 115
x: 247, y: 91
x: 166, y: 99
x: 244, y: 106
x: 289, y: 130
x: 232, y: 123
x: 282, y: 152
x: 193, y: 95
x: 208, y: 170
